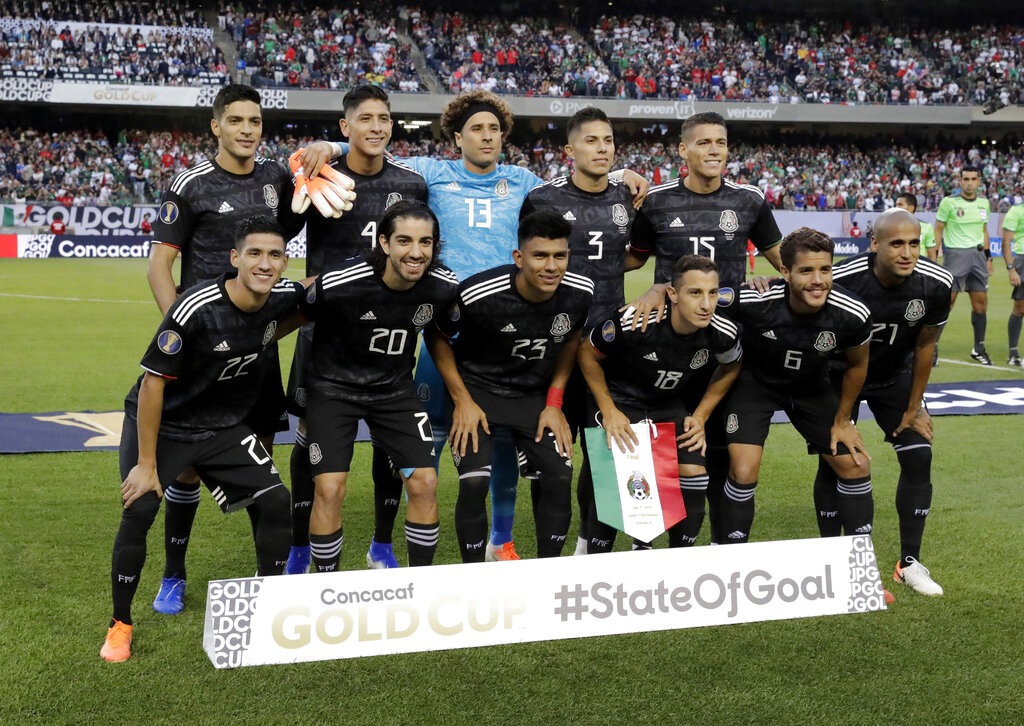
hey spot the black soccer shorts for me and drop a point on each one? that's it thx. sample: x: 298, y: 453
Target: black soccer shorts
x: 749, y: 406
x: 519, y: 416
x: 401, y: 427
x: 298, y: 376
x: 269, y: 416
x: 232, y: 462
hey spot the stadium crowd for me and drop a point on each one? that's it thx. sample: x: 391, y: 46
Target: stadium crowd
x: 321, y: 48
x: 146, y: 12
x: 86, y: 167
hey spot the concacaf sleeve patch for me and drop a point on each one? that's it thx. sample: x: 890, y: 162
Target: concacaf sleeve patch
x: 168, y: 212
x: 169, y: 342
x: 725, y: 296
x: 608, y: 331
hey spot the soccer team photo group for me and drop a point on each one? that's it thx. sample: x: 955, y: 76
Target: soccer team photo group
x: 669, y: 374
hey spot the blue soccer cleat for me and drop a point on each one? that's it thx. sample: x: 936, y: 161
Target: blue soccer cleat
x: 171, y: 598
x: 380, y: 556
x: 298, y: 561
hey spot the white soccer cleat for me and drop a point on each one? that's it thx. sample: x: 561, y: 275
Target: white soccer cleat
x: 917, y: 576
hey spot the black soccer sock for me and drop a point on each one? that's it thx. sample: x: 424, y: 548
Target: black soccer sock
x: 684, y: 534
x: 913, y: 497
x: 826, y: 501
x: 737, y: 511
x: 387, y: 495
x: 325, y: 550
x: 254, y: 518
x: 856, y: 505
x: 421, y: 539
x: 978, y: 324
x: 182, y: 501
x: 130, y: 553
x: 1013, y: 332
x: 471, y: 517
x: 272, y: 530
x: 600, y: 537
x: 302, y: 490
x: 584, y: 493
x: 552, y: 512
x: 717, y: 463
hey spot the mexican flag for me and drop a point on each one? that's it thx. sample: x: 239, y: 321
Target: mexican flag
x: 637, y: 492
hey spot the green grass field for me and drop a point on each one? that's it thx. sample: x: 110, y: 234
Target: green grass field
x: 949, y: 660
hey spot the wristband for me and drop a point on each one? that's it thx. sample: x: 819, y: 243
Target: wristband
x: 555, y: 396
x: 1010, y: 266
x: 988, y: 253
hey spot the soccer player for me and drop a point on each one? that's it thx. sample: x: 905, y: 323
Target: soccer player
x: 707, y: 215
x: 908, y: 296
x: 190, y: 408
x: 198, y: 215
x: 961, y: 237
x: 601, y: 212
x: 644, y: 374
x: 379, y: 182
x: 367, y: 315
x: 477, y: 201
x: 1013, y: 256
x: 518, y: 329
x: 789, y: 334
x: 908, y: 201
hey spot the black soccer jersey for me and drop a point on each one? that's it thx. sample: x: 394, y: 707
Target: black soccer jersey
x: 364, y: 339
x: 897, y: 313
x: 601, y: 226
x: 215, y: 357
x: 330, y: 241
x: 200, y: 212
x: 652, y: 369
x: 786, y: 350
x: 675, y: 221
x: 506, y: 343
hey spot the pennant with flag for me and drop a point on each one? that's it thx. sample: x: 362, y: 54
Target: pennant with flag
x: 637, y: 492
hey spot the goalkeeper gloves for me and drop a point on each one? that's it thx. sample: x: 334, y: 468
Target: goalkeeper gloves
x: 330, y: 191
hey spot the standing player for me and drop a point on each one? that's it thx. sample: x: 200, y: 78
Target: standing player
x: 908, y: 201
x: 704, y: 214
x: 367, y: 316
x: 961, y: 237
x: 909, y: 301
x: 644, y: 374
x: 189, y: 409
x: 601, y: 212
x: 518, y: 332
x: 379, y: 183
x: 789, y: 334
x: 1013, y: 256
x: 477, y: 201
x: 198, y: 216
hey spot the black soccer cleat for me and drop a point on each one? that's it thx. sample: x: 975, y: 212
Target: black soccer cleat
x: 981, y: 356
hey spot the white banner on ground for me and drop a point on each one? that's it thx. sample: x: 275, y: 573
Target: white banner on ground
x: 290, y: 619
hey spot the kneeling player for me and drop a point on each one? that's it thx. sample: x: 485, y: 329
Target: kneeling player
x: 789, y: 334
x: 367, y: 316
x: 909, y: 300
x: 640, y: 375
x: 203, y: 371
x: 518, y: 333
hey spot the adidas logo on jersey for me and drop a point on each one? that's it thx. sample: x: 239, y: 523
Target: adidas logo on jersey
x: 569, y: 216
x: 651, y: 356
x: 222, y: 346
x: 369, y: 316
x: 510, y: 328
x: 453, y: 186
x: 676, y: 223
x: 770, y: 334
x: 225, y: 208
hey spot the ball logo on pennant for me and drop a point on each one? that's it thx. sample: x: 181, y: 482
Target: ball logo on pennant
x: 915, y: 310
x: 826, y: 341
x: 638, y: 487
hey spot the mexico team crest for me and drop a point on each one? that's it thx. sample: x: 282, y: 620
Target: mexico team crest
x: 315, y: 455
x: 393, y: 197
x: 826, y: 341
x: 638, y: 486
x: 915, y: 310
x: 619, y: 216
x: 700, y: 358
x: 728, y: 222
x: 501, y: 188
x: 270, y: 196
x: 423, y: 315
x: 732, y: 424
x: 561, y: 324
x: 268, y: 334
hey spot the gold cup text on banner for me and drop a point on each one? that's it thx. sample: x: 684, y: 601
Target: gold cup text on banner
x: 298, y: 618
